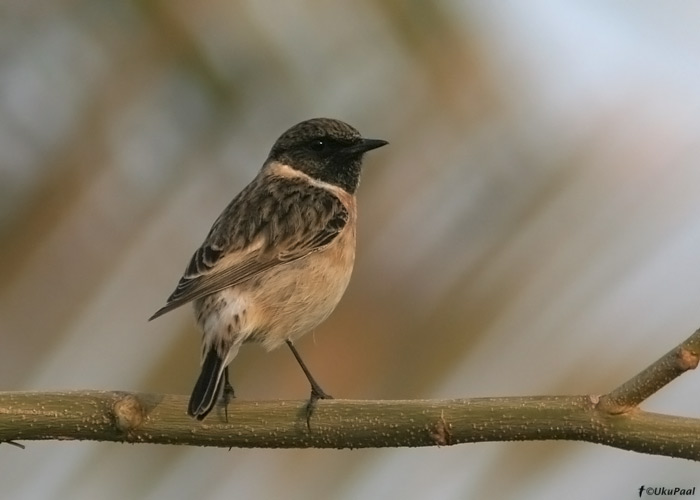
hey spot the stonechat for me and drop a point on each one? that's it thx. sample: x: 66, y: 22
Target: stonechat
x: 278, y: 259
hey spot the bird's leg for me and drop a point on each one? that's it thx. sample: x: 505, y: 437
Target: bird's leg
x: 227, y: 393
x: 316, y: 391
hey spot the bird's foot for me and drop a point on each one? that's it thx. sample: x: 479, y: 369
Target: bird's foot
x: 316, y: 394
x: 226, y: 396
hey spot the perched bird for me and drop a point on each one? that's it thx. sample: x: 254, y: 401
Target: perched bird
x: 278, y: 259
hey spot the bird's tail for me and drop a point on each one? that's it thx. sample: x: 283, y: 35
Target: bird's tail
x: 207, y: 388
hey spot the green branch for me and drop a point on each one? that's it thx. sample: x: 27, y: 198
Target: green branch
x: 613, y: 419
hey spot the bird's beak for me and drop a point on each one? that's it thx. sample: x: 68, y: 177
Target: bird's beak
x: 365, y: 145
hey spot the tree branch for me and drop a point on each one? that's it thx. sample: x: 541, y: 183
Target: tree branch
x: 613, y: 419
x: 653, y: 378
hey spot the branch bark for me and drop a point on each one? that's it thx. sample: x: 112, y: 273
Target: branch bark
x: 613, y: 419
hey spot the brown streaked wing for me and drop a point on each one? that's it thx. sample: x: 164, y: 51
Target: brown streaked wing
x: 285, y: 221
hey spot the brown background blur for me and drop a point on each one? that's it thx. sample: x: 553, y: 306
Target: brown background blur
x: 532, y: 229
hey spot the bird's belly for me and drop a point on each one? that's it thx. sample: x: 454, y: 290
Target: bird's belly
x: 305, y: 293
x: 280, y: 304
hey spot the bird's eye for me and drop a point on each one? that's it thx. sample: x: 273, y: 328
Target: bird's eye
x: 318, y: 145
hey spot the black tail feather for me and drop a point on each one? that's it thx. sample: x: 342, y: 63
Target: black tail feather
x: 206, y: 390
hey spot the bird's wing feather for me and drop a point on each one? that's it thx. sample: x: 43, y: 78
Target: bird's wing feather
x: 268, y: 224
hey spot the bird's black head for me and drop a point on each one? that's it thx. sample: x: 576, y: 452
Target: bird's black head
x: 325, y: 149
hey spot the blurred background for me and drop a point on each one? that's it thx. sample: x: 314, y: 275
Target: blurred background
x: 532, y: 228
